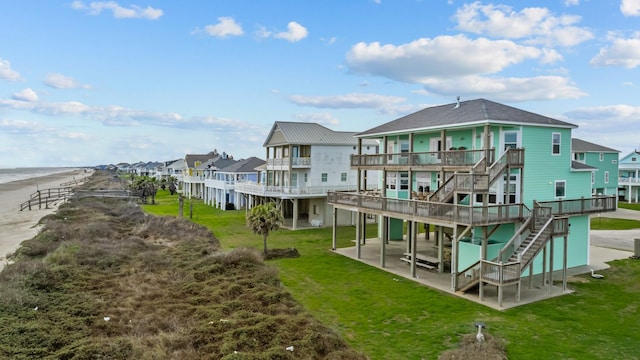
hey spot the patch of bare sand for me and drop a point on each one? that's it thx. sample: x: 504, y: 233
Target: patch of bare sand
x: 17, y: 226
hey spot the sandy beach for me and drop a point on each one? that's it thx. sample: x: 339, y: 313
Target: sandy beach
x: 17, y: 226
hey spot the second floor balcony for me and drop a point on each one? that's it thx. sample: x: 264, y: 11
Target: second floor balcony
x: 626, y: 181
x: 289, y: 191
x: 429, y: 160
x: 220, y: 184
x: 285, y: 162
x: 473, y: 215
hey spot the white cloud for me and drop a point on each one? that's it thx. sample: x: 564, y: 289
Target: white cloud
x: 630, y: 7
x: 23, y: 127
x: 119, y: 12
x: 457, y: 65
x: 60, y: 81
x: 443, y: 56
x: 6, y: 72
x: 295, y: 32
x: 348, y: 101
x: 535, y: 25
x: 225, y: 27
x: 26, y: 95
x: 621, y: 52
x: 323, y: 118
x: 506, y: 89
x: 608, y: 125
x: 571, y: 2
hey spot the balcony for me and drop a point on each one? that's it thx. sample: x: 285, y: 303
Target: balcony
x: 194, y: 179
x: 446, y: 213
x: 283, y: 163
x: 423, y: 160
x: 430, y: 212
x: 286, y: 191
x: 581, y: 206
x: 629, y: 181
x: 220, y: 184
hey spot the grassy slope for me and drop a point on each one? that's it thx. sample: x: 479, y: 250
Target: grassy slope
x: 390, y: 319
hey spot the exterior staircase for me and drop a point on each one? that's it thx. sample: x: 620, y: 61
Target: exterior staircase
x: 515, y: 256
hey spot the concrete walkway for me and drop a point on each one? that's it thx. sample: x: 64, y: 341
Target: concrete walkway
x: 608, y: 245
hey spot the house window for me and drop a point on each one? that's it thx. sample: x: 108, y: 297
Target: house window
x: 614, y: 161
x: 606, y: 177
x: 404, y: 180
x: 315, y: 209
x: 305, y: 177
x: 593, y: 177
x: 561, y: 191
x: 343, y: 177
x: 555, y: 144
x: 601, y: 156
x: 510, y: 140
x: 391, y: 180
x: 323, y: 177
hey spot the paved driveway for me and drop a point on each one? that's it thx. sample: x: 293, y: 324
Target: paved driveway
x: 608, y: 245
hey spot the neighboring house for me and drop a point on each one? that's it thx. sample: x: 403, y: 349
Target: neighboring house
x: 629, y: 179
x: 175, y: 170
x: 194, y: 173
x: 497, y: 183
x: 220, y: 185
x: 603, y: 165
x: 303, y: 162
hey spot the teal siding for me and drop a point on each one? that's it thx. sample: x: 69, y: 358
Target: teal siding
x: 542, y: 169
x: 609, y: 163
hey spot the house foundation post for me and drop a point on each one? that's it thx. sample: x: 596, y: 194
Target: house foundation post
x: 413, y: 254
x: 550, y: 264
x: 334, y: 231
x: 295, y: 214
x: 358, y: 229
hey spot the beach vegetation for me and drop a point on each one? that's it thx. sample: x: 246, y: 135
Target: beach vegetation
x: 263, y: 219
x: 113, y: 283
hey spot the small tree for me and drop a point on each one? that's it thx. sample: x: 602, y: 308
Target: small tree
x: 264, y: 218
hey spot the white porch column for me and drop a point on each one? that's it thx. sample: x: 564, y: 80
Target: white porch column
x: 295, y: 214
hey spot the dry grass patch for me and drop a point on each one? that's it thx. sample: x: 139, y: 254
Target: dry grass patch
x: 104, y: 280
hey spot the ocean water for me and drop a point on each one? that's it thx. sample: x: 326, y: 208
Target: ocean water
x: 9, y: 175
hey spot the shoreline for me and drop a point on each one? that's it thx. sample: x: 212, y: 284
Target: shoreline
x: 18, y: 226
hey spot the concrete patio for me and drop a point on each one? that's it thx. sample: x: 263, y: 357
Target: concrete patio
x: 370, y: 255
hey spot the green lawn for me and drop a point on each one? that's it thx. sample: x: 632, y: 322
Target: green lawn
x: 391, y: 318
x: 624, y: 205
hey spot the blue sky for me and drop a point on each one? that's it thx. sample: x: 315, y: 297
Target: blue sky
x: 95, y: 82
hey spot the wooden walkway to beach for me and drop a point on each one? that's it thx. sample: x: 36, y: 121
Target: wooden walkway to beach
x: 46, y: 198
x: 52, y: 196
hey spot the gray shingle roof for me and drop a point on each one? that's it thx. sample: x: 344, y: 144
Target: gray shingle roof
x: 244, y: 165
x: 303, y: 133
x: 579, y: 145
x: 576, y: 165
x: 470, y: 112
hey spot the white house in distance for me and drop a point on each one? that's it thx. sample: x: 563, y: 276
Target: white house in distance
x: 220, y: 183
x: 303, y: 162
x: 629, y: 178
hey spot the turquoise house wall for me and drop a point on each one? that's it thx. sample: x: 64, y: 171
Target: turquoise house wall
x: 608, y: 163
x: 542, y: 169
x: 578, y: 245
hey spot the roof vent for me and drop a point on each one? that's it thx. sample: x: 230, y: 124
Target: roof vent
x: 457, y: 102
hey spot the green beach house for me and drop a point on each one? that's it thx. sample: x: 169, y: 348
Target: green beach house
x: 498, y: 184
x: 601, y: 162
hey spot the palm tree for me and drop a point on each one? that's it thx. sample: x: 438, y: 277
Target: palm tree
x: 264, y: 218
